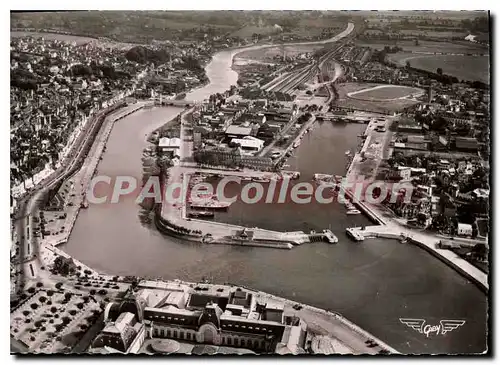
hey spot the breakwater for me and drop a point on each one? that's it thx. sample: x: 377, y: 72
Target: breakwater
x: 171, y: 229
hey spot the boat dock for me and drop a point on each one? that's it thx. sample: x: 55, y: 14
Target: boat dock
x: 325, y: 235
x: 355, y: 234
x: 296, y: 141
x: 429, y: 243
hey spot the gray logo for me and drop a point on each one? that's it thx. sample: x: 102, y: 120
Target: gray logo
x: 444, y: 326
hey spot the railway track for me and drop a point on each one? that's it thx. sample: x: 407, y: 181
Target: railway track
x: 290, y: 82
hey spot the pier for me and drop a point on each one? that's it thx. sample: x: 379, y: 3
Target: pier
x: 292, y: 144
x: 430, y: 243
x: 172, y: 219
x: 389, y: 227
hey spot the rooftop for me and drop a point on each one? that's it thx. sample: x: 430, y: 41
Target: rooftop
x: 235, y: 129
x: 169, y: 142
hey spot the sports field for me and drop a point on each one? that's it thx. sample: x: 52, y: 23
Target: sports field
x: 372, y: 105
x: 385, y: 93
x: 469, y: 68
x: 425, y: 46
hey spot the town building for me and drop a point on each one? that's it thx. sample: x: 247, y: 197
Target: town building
x: 124, y: 334
x: 231, y: 157
x: 235, y: 131
x: 170, y: 146
x: 248, y: 144
x: 210, y: 314
x: 464, y: 229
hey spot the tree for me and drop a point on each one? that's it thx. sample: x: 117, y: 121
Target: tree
x: 439, y: 71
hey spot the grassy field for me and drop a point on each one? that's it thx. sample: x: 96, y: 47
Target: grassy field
x: 53, y: 36
x: 433, y: 33
x: 270, y: 52
x: 140, y: 26
x: 427, y: 46
x: 374, y: 106
x: 469, y: 68
x: 249, y: 30
x: 385, y: 93
x: 129, y: 26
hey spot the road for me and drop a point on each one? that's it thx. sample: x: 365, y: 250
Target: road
x: 29, y: 253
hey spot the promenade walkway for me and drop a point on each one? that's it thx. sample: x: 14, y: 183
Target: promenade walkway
x: 393, y: 229
x: 373, y: 149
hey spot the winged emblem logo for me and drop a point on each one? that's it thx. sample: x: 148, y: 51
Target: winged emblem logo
x: 444, y: 326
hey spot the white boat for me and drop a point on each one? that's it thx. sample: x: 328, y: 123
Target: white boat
x: 353, y: 212
x: 261, y: 179
x: 347, y: 153
x: 296, y: 144
x: 210, y: 205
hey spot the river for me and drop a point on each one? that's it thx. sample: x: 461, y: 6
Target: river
x: 373, y: 284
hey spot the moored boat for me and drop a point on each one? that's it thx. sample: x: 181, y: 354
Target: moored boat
x: 353, y: 212
x: 261, y: 179
x: 202, y: 214
x: 210, y: 205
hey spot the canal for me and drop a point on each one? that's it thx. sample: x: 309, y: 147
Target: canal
x: 373, y: 284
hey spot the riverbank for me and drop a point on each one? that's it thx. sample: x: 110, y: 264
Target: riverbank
x: 81, y: 180
x: 359, y: 282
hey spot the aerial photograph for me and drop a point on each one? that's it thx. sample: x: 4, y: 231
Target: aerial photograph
x: 250, y: 182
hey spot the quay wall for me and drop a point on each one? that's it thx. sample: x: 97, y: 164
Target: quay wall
x: 256, y: 243
x: 397, y: 235
x: 305, y: 127
x: 162, y: 225
x: 88, y: 170
x: 398, y: 231
x: 333, y: 314
x: 367, y: 211
x: 481, y: 285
